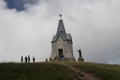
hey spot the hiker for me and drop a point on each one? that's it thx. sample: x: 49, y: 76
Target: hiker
x: 21, y: 59
x: 50, y: 59
x: 55, y: 58
x: 33, y: 59
x: 28, y: 58
x: 25, y: 59
x: 46, y: 60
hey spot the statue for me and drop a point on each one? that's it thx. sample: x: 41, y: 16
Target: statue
x: 80, y: 56
x: 79, y: 53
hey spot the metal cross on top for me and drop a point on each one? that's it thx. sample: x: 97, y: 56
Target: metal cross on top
x: 60, y: 16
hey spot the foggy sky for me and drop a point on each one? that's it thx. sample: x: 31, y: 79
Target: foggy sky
x: 93, y: 24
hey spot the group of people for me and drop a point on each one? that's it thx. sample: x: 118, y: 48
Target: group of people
x: 27, y: 59
x: 57, y: 59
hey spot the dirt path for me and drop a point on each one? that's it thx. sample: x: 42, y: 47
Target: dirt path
x: 86, y: 76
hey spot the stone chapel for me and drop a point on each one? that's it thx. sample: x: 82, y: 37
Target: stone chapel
x: 62, y: 48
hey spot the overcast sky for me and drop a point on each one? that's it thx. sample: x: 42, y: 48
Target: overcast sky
x: 27, y: 28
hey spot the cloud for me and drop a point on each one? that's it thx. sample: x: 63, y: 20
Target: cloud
x: 19, y: 5
x: 94, y: 25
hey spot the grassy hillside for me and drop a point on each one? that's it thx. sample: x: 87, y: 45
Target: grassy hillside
x: 57, y: 71
x: 35, y: 71
x: 103, y: 71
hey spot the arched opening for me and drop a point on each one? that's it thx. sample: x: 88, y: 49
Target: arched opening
x: 60, y: 53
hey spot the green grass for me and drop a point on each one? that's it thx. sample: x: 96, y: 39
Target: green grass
x: 56, y: 71
x: 35, y: 71
x: 104, y: 71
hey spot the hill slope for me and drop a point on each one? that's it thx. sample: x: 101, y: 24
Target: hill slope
x: 59, y: 71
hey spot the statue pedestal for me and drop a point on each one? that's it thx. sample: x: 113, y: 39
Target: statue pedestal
x: 81, y: 59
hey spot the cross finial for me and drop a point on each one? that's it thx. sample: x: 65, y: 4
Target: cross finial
x: 60, y: 16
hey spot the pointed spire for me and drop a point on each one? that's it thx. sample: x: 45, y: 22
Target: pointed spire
x: 60, y: 16
x: 61, y: 28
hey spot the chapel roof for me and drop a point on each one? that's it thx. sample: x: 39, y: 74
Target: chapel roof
x: 61, y: 32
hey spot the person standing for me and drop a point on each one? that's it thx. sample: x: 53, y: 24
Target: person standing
x: 25, y: 59
x: 28, y: 58
x: 33, y: 59
x: 21, y: 59
x: 46, y: 60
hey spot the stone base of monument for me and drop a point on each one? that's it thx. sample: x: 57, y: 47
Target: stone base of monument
x: 81, y: 59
